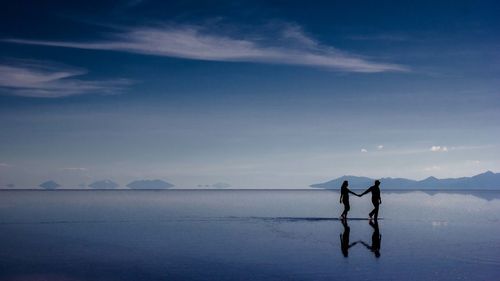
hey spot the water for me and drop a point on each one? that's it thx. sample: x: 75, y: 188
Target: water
x: 246, y: 235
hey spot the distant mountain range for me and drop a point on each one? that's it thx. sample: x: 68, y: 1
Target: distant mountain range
x: 109, y: 184
x: 104, y: 184
x: 487, y: 180
x: 49, y: 185
x: 149, y: 184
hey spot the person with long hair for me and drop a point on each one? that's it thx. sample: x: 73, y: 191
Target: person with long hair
x: 344, y: 239
x: 344, y: 198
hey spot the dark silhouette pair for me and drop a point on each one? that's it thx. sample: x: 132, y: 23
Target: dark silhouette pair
x: 376, y: 239
x: 376, y: 199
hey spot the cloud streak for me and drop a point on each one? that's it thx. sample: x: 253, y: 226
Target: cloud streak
x: 432, y: 168
x: 437, y: 148
x: 43, y: 79
x: 75, y: 169
x: 290, y: 46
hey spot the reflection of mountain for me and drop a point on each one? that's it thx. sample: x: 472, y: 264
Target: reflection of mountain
x: 49, y: 185
x: 149, y: 184
x: 216, y: 185
x: 485, y: 180
x: 221, y: 185
x: 104, y: 184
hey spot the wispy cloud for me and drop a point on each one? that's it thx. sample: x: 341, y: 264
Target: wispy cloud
x: 432, y: 168
x: 290, y: 45
x: 380, y: 147
x: 43, y: 79
x: 437, y: 148
x: 75, y: 169
x: 5, y: 165
x: 473, y: 162
x: 364, y: 150
x: 473, y: 147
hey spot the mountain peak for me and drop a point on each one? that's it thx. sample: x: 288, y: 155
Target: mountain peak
x: 104, y: 184
x: 49, y: 184
x: 149, y: 184
x: 485, y: 174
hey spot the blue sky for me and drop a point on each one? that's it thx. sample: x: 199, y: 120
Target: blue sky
x: 270, y: 94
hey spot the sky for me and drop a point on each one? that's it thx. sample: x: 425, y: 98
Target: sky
x: 256, y: 94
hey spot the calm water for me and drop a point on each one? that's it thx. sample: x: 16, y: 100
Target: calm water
x: 246, y: 235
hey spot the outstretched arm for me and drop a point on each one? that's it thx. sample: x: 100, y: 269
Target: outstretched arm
x: 366, y: 191
x: 353, y: 192
x: 366, y: 245
x: 352, y: 244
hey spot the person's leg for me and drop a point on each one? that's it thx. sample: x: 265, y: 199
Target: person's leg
x: 375, y: 208
x: 346, y: 209
x: 376, y: 211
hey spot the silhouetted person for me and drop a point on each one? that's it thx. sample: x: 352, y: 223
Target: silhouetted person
x: 376, y: 199
x: 344, y: 199
x: 344, y: 239
x: 376, y: 239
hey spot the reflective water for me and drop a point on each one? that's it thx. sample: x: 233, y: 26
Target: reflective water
x: 247, y: 235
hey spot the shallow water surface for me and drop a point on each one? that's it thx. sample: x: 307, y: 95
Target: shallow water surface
x: 247, y: 235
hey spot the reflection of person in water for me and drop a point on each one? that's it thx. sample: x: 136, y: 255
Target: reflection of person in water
x: 376, y: 199
x: 376, y: 239
x: 344, y: 239
x: 344, y: 198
